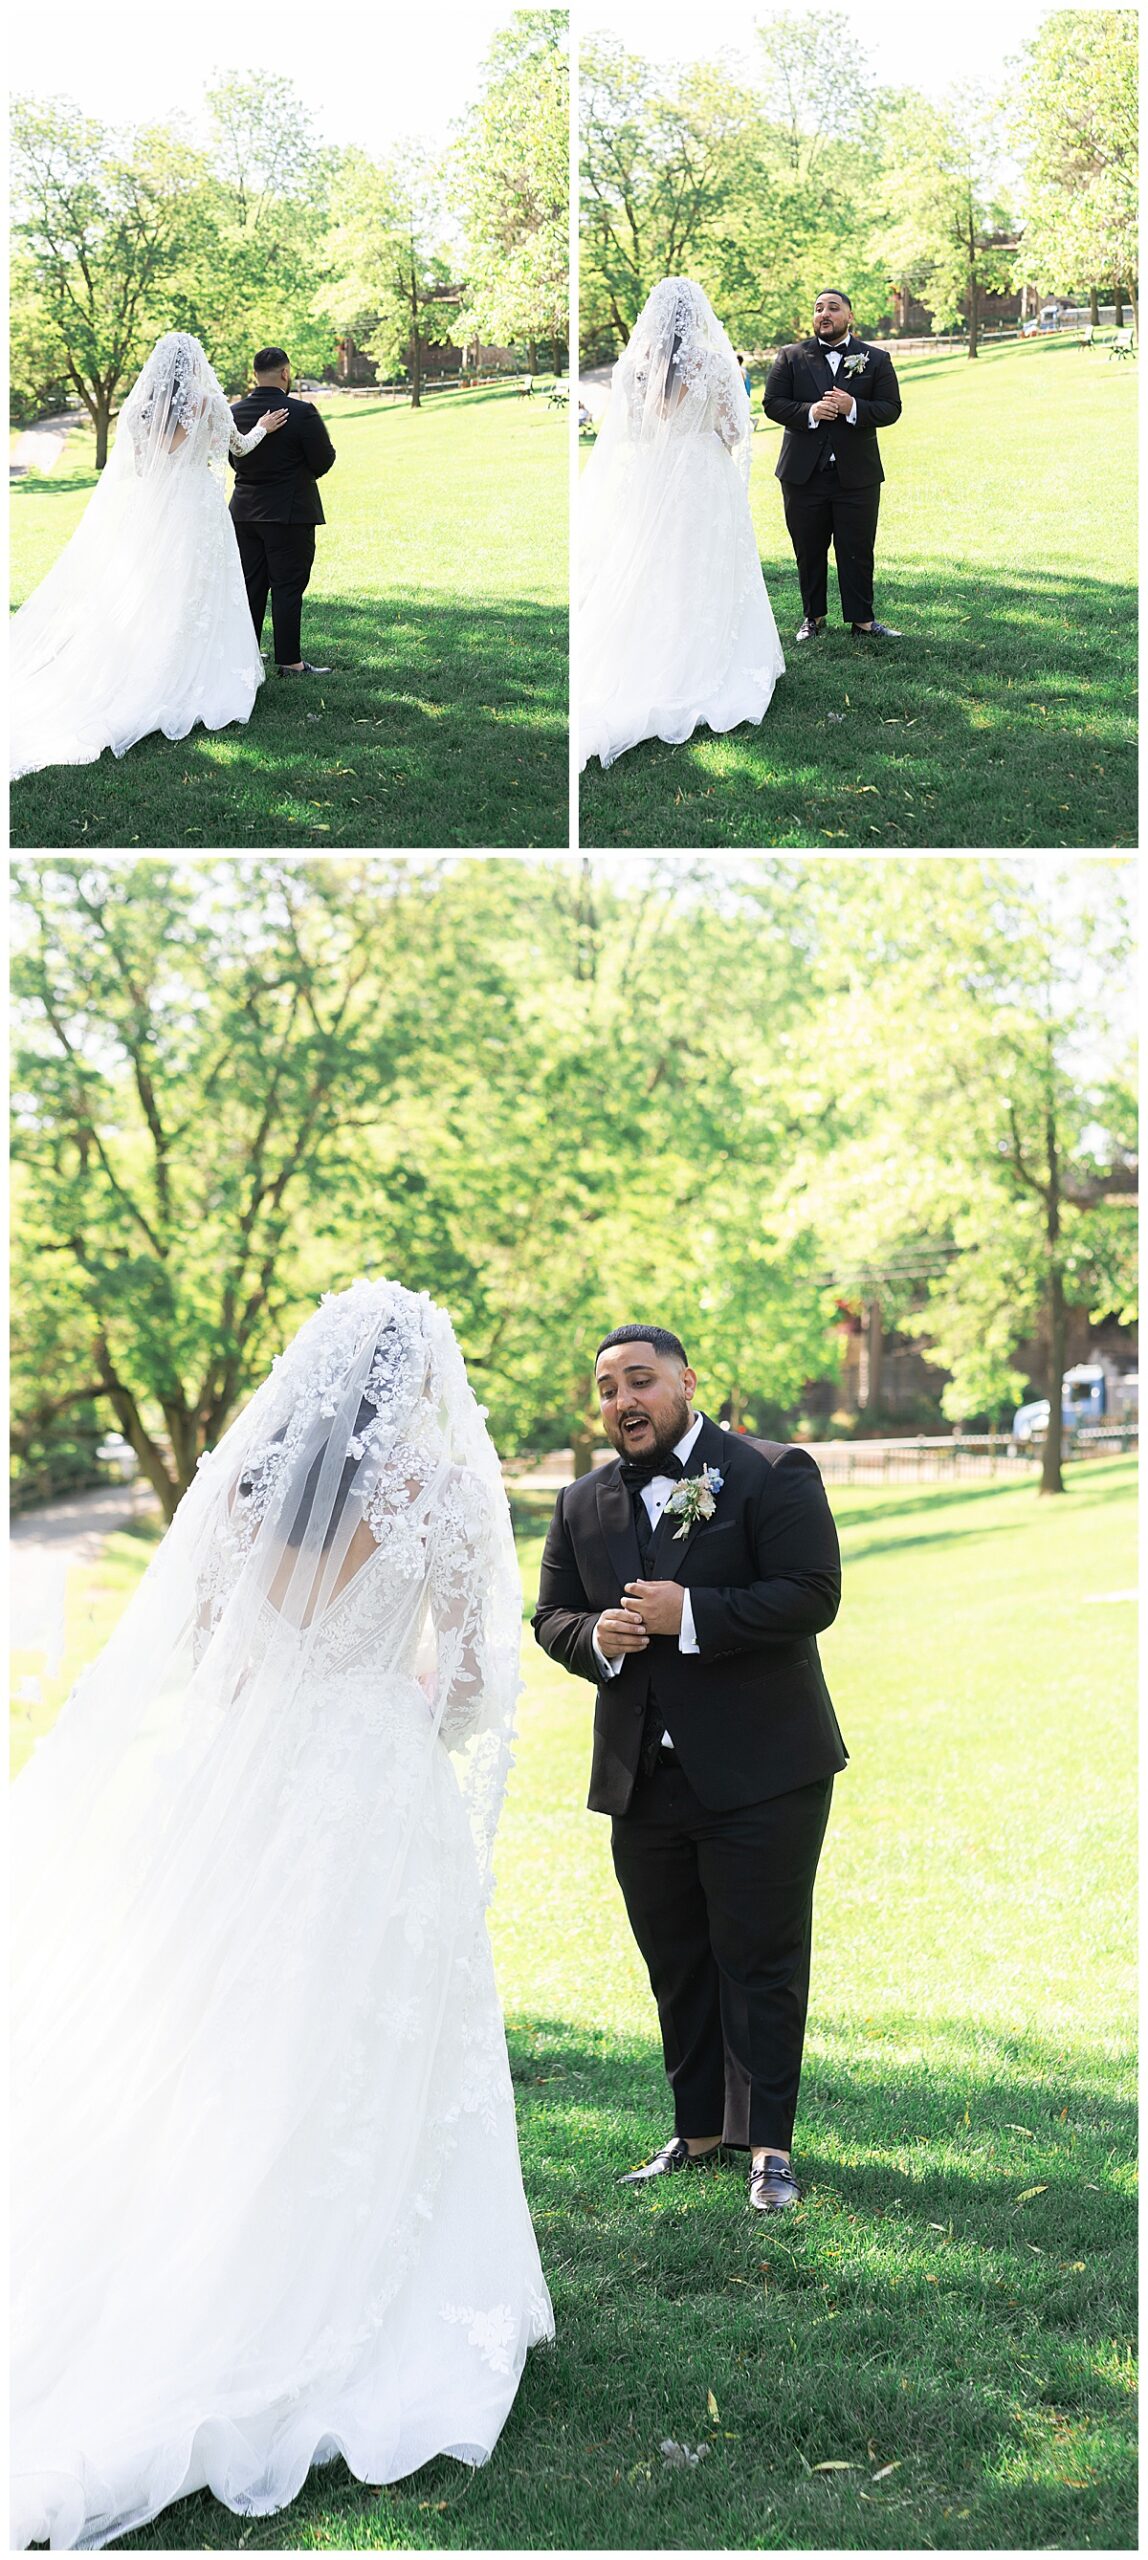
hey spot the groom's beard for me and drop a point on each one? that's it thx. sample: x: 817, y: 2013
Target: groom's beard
x: 644, y: 1444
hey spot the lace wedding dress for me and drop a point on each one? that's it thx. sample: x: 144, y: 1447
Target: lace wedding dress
x: 268, y: 2204
x: 143, y: 622
x: 675, y: 630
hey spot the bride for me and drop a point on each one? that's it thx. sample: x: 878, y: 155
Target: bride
x: 675, y: 629
x: 143, y: 621
x: 268, y: 2204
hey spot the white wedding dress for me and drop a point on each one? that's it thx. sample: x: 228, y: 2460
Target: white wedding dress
x: 268, y: 2204
x: 142, y: 623
x: 675, y: 630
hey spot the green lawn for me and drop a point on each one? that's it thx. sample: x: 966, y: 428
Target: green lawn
x: 439, y: 596
x: 1005, y: 716
x: 949, y: 2314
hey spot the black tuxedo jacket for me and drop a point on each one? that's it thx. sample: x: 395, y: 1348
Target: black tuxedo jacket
x: 749, y: 1713
x: 802, y: 374
x: 275, y: 484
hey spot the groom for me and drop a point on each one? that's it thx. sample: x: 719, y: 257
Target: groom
x: 831, y: 394
x: 689, y: 1582
x: 276, y: 507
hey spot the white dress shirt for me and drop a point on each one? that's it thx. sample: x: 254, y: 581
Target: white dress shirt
x: 655, y: 1495
x: 833, y: 357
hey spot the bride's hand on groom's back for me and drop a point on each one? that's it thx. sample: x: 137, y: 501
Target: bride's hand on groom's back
x: 275, y: 418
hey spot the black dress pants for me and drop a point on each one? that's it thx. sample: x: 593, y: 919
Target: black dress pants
x: 721, y: 1906
x: 818, y: 511
x: 277, y: 560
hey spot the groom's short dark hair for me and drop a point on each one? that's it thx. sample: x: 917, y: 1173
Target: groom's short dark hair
x: 665, y: 1344
x: 838, y: 289
x: 270, y: 360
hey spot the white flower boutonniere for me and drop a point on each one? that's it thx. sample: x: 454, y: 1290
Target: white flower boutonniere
x: 854, y: 364
x: 695, y: 1499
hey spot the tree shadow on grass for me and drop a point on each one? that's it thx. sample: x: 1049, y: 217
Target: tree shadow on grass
x: 976, y: 1517
x: 443, y: 722
x: 53, y: 484
x: 1003, y: 717
x: 947, y: 2315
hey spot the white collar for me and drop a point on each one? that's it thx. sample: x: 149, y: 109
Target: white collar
x: 682, y: 1448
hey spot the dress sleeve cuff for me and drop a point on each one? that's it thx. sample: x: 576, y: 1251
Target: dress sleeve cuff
x: 687, y: 1640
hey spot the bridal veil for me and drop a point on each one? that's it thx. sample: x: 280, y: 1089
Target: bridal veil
x: 255, y: 2013
x: 674, y: 626
x: 142, y: 621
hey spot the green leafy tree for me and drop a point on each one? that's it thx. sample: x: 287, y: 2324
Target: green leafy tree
x: 762, y: 192
x: 389, y: 282
x: 1077, y: 118
x: 255, y: 274
x: 946, y: 222
x: 510, y: 187
x: 991, y: 1106
x: 662, y: 165
x: 100, y: 223
x: 197, y: 1048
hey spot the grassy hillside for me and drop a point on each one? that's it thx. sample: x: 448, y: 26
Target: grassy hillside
x: 1006, y: 555
x: 439, y: 598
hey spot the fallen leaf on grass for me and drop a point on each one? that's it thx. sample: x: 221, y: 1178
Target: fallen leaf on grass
x: 713, y: 2408
x: 887, y: 2471
x: 836, y: 2466
x: 1027, y: 2195
x: 1021, y: 2128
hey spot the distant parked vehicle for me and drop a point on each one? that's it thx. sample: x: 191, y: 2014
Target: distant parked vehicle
x: 118, y: 1453
x: 1093, y: 1392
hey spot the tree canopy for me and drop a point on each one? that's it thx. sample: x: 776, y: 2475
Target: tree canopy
x: 259, y: 235
x: 802, y: 169
x: 510, y: 185
x: 555, y: 1101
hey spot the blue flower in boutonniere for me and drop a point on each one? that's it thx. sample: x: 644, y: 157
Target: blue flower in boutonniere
x: 854, y: 364
x: 695, y: 1499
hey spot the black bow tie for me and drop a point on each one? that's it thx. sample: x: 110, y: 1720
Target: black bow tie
x: 639, y: 1471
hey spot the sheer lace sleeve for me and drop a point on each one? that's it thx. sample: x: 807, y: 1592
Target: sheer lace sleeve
x: 245, y: 444
x: 459, y: 1582
x: 728, y: 411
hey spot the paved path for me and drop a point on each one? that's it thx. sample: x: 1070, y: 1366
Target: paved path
x: 594, y: 388
x: 46, y: 1544
x: 39, y: 448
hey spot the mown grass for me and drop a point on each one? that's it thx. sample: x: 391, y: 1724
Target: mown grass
x: 949, y: 2314
x: 440, y: 599
x: 1006, y: 715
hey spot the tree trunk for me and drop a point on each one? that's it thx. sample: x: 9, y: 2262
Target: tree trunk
x: 1119, y: 300
x: 103, y: 427
x: 1094, y: 306
x: 1051, y: 1477
x: 872, y: 1346
x: 416, y: 370
x: 582, y: 1445
x: 532, y: 354
x: 972, y: 307
x: 1135, y: 313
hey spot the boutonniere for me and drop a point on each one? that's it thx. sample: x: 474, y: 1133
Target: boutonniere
x: 695, y: 1499
x: 854, y: 364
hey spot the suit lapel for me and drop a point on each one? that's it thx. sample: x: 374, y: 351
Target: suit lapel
x: 670, y: 1551
x: 616, y: 1521
x: 823, y: 371
x: 819, y: 366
